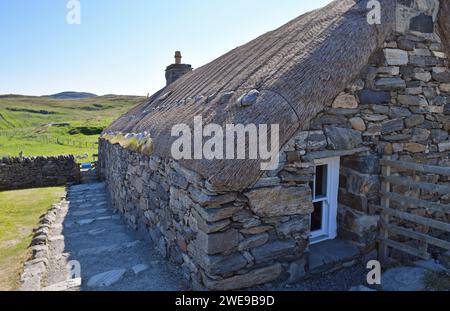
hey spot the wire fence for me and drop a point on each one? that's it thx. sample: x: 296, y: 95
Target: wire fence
x: 50, y: 139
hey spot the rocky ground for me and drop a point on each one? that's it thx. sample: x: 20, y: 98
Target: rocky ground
x: 421, y: 276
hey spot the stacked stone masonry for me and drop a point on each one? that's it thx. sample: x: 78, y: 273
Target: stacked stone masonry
x: 222, y: 240
x: 22, y: 173
x: 398, y: 106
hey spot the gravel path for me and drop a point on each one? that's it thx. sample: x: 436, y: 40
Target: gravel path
x: 110, y: 255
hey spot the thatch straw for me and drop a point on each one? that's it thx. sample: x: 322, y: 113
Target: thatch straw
x: 298, y: 68
x: 444, y: 24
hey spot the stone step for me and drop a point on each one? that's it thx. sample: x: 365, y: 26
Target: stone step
x: 101, y: 203
x: 95, y: 237
x: 332, y: 254
x: 88, y: 212
x: 113, y: 248
x: 86, y: 195
x: 94, y: 186
x: 87, y: 188
x: 88, y: 221
x: 75, y: 215
x: 82, y: 231
x: 87, y: 192
x: 81, y: 200
x: 72, y: 193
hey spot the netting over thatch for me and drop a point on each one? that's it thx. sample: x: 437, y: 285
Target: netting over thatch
x: 298, y: 69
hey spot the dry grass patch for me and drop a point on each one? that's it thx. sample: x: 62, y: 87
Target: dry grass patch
x: 141, y: 145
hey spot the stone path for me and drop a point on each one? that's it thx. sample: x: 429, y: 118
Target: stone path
x: 110, y: 255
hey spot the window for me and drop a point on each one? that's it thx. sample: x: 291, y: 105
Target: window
x: 325, y: 192
x: 320, y: 188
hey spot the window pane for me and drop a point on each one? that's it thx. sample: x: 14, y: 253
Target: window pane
x: 316, y: 217
x: 321, y: 180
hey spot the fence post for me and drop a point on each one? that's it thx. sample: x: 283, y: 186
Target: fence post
x: 383, y: 252
x: 423, y: 245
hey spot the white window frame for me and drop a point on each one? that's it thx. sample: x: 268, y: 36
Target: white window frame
x: 330, y: 201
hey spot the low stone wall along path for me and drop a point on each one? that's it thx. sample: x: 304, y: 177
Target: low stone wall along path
x: 88, y: 235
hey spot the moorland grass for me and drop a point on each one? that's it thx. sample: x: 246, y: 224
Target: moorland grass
x: 40, y: 126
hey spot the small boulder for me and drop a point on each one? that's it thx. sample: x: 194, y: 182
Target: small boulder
x: 358, y: 124
x: 345, y: 101
x: 248, y: 99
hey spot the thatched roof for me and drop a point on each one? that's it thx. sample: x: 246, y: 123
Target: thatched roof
x: 298, y: 68
x: 444, y: 24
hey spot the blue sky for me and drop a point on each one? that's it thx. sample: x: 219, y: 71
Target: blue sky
x: 123, y: 47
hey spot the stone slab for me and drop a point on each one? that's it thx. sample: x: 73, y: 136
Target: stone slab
x: 329, y: 253
x: 106, y: 279
x: 404, y: 279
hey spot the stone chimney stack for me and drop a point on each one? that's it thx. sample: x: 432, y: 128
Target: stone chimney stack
x: 178, y: 58
x: 175, y: 71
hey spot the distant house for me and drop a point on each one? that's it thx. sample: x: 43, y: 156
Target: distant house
x: 346, y: 92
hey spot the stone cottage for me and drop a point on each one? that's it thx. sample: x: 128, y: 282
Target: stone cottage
x: 345, y: 88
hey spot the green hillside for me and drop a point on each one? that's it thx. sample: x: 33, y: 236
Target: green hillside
x: 45, y: 126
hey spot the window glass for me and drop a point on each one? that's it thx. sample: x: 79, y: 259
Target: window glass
x: 321, y: 181
x: 316, y: 217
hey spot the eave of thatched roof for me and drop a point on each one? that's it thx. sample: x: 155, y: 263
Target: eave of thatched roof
x: 299, y: 68
x: 444, y: 24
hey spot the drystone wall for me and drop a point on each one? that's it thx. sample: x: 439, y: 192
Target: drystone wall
x: 35, y: 268
x: 222, y: 240
x: 22, y: 173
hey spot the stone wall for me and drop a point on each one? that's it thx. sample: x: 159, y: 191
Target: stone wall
x: 222, y: 240
x: 22, y: 173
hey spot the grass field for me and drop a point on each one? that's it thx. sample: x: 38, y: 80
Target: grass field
x: 45, y: 126
x: 40, y: 126
x: 19, y: 214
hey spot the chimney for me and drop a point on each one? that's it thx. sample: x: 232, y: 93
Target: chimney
x: 178, y: 58
x: 175, y: 71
